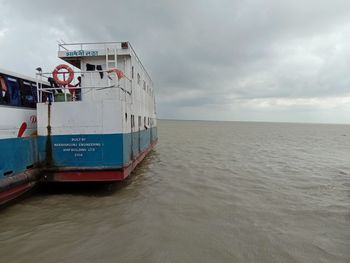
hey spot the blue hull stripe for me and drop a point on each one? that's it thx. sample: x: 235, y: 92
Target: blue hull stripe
x: 16, y: 154
x: 96, y: 150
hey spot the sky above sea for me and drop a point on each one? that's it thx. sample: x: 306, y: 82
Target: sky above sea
x: 241, y: 60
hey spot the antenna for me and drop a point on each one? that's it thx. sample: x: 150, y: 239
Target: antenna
x: 60, y: 42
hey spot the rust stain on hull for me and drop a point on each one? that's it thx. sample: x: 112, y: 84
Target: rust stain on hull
x: 48, y: 153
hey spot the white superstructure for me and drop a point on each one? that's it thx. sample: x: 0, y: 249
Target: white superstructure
x: 114, y: 104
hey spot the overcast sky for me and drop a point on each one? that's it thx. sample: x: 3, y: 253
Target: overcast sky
x: 244, y: 60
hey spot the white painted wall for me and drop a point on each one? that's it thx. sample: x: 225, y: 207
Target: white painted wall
x: 12, y: 119
x: 103, y: 109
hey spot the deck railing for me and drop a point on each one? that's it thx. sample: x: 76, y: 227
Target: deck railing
x: 124, y: 85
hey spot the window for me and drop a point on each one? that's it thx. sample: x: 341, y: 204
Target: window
x: 138, y: 78
x: 144, y: 85
x: 14, y: 91
x: 27, y: 96
x: 144, y: 121
x: 132, y: 72
x: 18, y: 92
x: 132, y: 121
x: 4, y: 99
x: 139, y: 121
x: 34, y: 91
x: 126, y: 117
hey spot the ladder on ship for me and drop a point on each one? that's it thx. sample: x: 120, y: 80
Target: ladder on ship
x: 111, y: 60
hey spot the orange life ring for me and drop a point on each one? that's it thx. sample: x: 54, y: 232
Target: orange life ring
x: 64, y: 81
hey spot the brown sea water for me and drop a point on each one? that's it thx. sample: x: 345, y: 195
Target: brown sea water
x: 210, y: 192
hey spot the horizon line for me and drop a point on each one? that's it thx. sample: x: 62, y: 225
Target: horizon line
x: 253, y: 121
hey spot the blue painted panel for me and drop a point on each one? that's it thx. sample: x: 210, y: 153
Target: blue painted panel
x: 84, y: 150
x: 16, y: 154
x: 96, y: 150
x: 145, y: 141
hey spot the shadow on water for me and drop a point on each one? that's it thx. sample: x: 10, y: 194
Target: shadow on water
x: 22, y: 198
x: 76, y: 188
x: 96, y: 189
x: 45, y: 189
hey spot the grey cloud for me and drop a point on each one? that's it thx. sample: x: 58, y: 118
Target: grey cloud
x: 201, y: 53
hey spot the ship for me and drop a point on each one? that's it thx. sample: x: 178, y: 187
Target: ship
x: 97, y: 120
x: 18, y: 129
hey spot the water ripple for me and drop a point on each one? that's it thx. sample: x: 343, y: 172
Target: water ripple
x: 210, y: 192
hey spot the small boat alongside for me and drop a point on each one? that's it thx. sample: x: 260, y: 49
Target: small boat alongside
x: 98, y: 120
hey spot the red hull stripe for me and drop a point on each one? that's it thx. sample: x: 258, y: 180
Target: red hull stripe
x: 14, y: 192
x: 100, y: 175
x: 89, y: 176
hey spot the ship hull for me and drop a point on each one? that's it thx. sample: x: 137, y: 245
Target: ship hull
x: 17, y: 159
x: 95, y: 174
x: 94, y: 157
x: 18, y: 185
